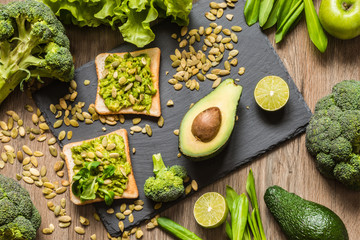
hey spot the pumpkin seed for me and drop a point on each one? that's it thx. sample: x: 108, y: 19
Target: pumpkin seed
x: 121, y: 226
x: 210, y: 16
x: 220, y: 13
x: 65, y: 183
x: 27, y: 150
x: 62, y: 135
x: 28, y: 180
x: 194, y: 185
x: 133, y: 150
x: 161, y: 121
x: 136, y: 121
x: 131, y: 218
x: 114, y: 155
x: 241, y: 71
x: 150, y: 225
x: 183, y: 31
x: 139, y: 233
x: 74, y: 123
x: 178, y: 86
x: 2, y: 165
x: 110, y: 211
x: 136, y: 128
x: 22, y: 131
x: 216, y: 83
x: 58, y: 123
x: 34, y: 172
x: 122, y: 207
x: 38, y: 154
x: 138, y: 207
x: 60, y: 190
x: 65, y: 219
x: 52, y: 141
x: 148, y: 130
x: 58, y: 166
x: 157, y: 206
x: 47, y: 231
x: 187, y: 189
x: 79, y: 230
x: 127, y: 212
x: 53, y: 151
x: 229, y: 17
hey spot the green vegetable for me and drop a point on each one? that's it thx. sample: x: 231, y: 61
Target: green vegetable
x: 265, y: 10
x: 33, y: 44
x: 129, y: 70
x: 244, y: 221
x: 176, y: 229
x: 19, y: 219
x: 285, y: 7
x: 251, y: 11
x: 168, y: 183
x: 333, y: 134
x: 132, y: 17
x: 92, y: 171
x: 316, y: 32
x: 272, y: 19
x: 290, y: 20
x: 256, y: 219
x: 302, y: 219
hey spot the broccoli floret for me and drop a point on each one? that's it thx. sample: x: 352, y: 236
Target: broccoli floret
x: 333, y: 134
x: 168, y: 183
x: 19, y: 219
x: 33, y: 45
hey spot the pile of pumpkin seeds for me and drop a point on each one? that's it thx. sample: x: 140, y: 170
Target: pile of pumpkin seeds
x: 69, y: 113
x: 204, y: 63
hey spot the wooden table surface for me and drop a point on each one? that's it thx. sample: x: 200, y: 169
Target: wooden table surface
x: 289, y: 166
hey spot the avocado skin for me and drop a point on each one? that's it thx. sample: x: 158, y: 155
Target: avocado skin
x: 301, y: 219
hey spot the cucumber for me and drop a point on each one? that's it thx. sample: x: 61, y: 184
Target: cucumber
x: 176, y: 229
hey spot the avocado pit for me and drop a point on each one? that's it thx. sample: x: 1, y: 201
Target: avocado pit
x: 206, y: 124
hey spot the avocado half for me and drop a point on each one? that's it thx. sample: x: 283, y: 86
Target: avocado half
x: 224, y: 98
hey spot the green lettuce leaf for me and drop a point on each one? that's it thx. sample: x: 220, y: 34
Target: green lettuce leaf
x: 131, y: 17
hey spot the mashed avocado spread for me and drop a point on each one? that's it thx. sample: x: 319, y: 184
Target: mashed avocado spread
x: 100, y: 169
x: 127, y: 83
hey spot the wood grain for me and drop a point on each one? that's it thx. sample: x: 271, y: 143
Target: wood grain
x: 289, y: 165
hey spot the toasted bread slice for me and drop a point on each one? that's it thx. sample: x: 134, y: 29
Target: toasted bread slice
x: 130, y: 192
x: 155, y: 110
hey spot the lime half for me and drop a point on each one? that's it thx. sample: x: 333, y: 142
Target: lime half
x: 210, y: 210
x: 271, y: 93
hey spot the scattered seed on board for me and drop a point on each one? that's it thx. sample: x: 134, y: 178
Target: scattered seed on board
x: 136, y: 121
x: 86, y: 82
x: 27, y: 150
x: 131, y: 218
x: 110, y: 211
x: 84, y: 221
x: 241, y: 71
x: 157, y: 206
x: 160, y: 121
x: 176, y: 132
x: 133, y: 150
x: 170, y: 103
x: 96, y: 217
x: 121, y: 226
x: 79, y: 230
x: 194, y: 185
x: 120, y: 216
x: 93, y: 237
x: 64, y: 219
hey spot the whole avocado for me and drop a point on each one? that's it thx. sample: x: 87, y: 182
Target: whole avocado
x: 19, y: 219
x: 301, y: 219
x: 333, y: 134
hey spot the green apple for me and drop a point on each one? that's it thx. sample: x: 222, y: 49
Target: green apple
x: 340, y: 18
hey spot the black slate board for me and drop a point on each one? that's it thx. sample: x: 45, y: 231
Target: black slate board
x: 255, y: 133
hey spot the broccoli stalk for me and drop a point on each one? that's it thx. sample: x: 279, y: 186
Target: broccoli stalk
x: 168, y: 183
x: 33, y: 44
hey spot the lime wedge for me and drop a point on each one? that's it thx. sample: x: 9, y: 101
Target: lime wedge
x: 271, y: 93
x: 210, y: 210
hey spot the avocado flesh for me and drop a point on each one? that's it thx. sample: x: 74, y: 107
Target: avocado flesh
x: 226, y: 97
x: 301, y: 219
